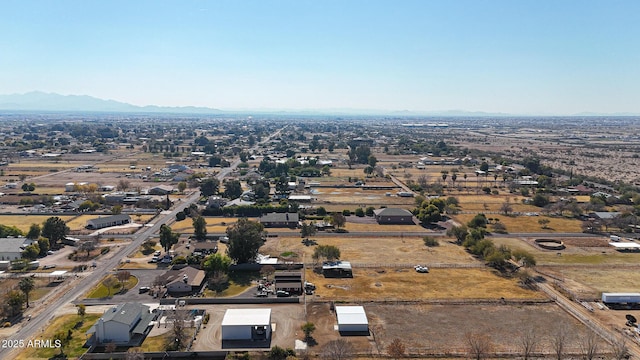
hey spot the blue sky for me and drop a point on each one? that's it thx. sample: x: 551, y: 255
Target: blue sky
x: 514, y: 56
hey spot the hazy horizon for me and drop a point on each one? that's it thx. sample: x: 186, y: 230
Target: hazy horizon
x: 521, y: 58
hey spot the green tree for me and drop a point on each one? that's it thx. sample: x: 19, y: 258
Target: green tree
x: 199, y: 228
x: 372, y: 161
x: 321, y: 211
x: 209, y: 187
x: 43, y: 244
x: 168, y: 238
x: 338, y: 220
x: 308, y: 229
x: 232, y: 189
x: 459, y: 232
x: 308, y: 328
x: 540, y: 200
x: 429, y: 215
x: 26, y: 285
x: 31, y: 252
x: 14, y: 302
x: 478, y: 221
x: 55, y: 229
x: 359, y: 212
x: 34, y: 232
x: 328, y: 252
x: 369, y: 211
x: 245, y: 239
x: 216, y: 264
x: 182, y: 186
x: 278, y: 353
x: 116, y: 210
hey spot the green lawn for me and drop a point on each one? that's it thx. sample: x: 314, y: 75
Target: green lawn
x: 78, y: 327
x: 238, y: 282
x: 102, y: 291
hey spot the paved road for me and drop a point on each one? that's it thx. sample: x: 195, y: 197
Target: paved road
x: 83, y: 283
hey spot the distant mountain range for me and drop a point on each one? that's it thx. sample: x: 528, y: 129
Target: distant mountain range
x: 41, y: 101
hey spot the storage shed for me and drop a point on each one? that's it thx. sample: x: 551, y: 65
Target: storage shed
x: 621, y: 298
x: 246, y: 324
x: 352, y: 319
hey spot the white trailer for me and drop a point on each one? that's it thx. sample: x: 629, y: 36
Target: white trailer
x: 621, y: 298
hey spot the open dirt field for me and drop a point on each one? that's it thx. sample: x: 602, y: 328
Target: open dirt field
x: 358, y: 196
x: 524, y: 224
x: 407, y: 284
x: 577, y: 251
x: 378, y: 250
x: 434, y: 329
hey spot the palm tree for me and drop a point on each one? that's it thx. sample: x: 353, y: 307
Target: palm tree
x: 26, y: 285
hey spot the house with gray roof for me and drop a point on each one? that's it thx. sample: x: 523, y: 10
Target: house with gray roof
x: 126, y: 325
x: 289, y: 220
x: 393, y: 216
x: 113, y: 220
x: 11, y: 248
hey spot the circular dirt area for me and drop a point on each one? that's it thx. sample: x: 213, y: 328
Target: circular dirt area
x: 550, y: 244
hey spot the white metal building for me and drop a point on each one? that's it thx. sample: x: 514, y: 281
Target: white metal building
x: 352, y: 319
x: 246, y: 324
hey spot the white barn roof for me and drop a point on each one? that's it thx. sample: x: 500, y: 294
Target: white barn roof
x: 351, y: 315
x: 252, y: 317
x: 625, y: 245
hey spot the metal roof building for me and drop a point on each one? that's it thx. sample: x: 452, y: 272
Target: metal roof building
x: 352, y: 319
x: 246, y: 324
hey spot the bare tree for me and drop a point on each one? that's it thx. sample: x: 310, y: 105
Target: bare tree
x: 178, y: 337
x: 110, y: 347
x: 337, y: 350
x: 589, y: 346
x: 396, y: 348
x: 123, y: 185
x: 559, y: 340
x: 479, y: 345
x: 529, y: 340
x: 619, y: 349
x: 134, y: 354
x: 123, y: 276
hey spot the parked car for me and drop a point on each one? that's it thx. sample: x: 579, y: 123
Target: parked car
x: 308, y: 285
x: 282, y: 293
x: 48, y: 267
x: 308, y: 291
x: 143, y: 289
x: 50, y: 252
x: 157, y: 253
x: 261, y: 294
x: 421, y: 269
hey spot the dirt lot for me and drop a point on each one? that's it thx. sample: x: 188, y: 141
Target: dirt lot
x: 445, y: 326
x: 407, y: 284
x: 378, y: 250
x: 288, y: 318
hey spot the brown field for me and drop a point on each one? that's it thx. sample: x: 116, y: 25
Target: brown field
x: 214, y: 224
x: 373, y: 226
x: 602, y: 279
x: 23, y: 222
x: 377, y: 250
x: 445, y: 326
x: 407, y: 284
x: 524, y: 224
x: 358, y: 196
x: 574, y: 254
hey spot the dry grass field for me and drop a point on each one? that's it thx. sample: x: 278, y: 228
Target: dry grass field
x: 214, y: 224
x: 360, y: 197
x: 23, y: 222
x: 374, y: 250
x: 407, y: 284
x: 525, y: 224
x: 603, y: 279
x: 373, y: 226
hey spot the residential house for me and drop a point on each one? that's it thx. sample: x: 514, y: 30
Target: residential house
x: 187, y: 280
x: 107, y: 221
x: 289, y: 220
x: 11, y: 248
x: 126, y: 324
x: 290, y: 281
x: 393, y: 216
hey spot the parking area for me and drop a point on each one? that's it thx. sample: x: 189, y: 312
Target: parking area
x: 286, y: 320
